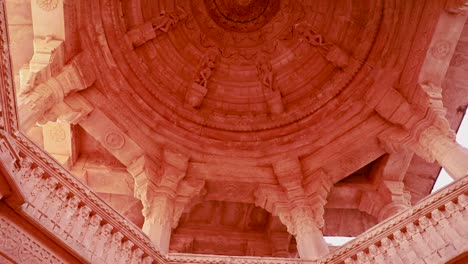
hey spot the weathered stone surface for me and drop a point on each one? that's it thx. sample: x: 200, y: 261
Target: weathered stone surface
x: 239, y: 128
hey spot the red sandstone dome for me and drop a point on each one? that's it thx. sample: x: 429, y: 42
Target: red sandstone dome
x: 243, y: 127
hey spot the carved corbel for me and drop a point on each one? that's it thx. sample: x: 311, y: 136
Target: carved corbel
x: 47, y: 60
x: 427, y: 133
x: 389, y: 199
x: 76, y: 76
x: 303, y: 217
x: 164, y: 193
x: 72, y: 110
x: 147, y: 178
x: 189, y: 193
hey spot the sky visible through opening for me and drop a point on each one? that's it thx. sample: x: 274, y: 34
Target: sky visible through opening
x: 462, y: 139
x: 442, y: 180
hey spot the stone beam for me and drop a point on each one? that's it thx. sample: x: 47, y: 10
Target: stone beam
x: 164, y: 194
x: 103, y: 178
x: 36, y: 101
x: 389, y: 195
x: 111, y: 137
x: 231, y: 173
x: 72, y: 110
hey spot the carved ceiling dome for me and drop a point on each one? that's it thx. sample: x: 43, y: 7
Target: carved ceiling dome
x: 231, y: 74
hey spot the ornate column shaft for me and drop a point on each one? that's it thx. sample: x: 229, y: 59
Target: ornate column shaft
x: 159, y: 189
x: 304, y: 218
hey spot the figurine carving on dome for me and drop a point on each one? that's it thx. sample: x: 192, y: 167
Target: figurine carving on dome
x: 329, y: 51
x: 155, y: 27
x: 306, y: 32
x: 457, y: 6
x: 207, y: 65
x: 270, y: 91
x: 167, y: 20
x: 198, y: 90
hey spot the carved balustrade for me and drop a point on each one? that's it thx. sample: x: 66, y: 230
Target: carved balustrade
x: 69, y: 211
x: 435, y: 230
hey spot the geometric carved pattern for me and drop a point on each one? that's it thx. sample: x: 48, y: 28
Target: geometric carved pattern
x: 20, y: 247
x: 3, y: 260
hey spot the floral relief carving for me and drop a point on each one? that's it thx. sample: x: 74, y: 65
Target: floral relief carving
x: 22, y: 248
x: 441, y: 49
x: 47, y: 5
x: 114, y: 140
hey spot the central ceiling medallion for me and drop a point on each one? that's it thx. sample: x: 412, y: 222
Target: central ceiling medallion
x: 242, y: 15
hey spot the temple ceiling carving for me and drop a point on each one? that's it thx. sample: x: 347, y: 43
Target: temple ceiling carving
x: 220, y: 116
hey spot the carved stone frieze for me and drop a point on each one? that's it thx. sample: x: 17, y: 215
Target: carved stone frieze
x: 22, y: 248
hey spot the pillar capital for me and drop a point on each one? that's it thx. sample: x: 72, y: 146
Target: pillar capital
x: 299, y: 209
x: 164, y: 193
x: 35, y: 101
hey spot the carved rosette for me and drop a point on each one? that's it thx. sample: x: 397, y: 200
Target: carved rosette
x: 114, y: 140
x: 441, y: 49
x: 47, y: 5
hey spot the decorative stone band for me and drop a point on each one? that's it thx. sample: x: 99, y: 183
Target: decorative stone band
x: 68, y: 210
x: 433, y: 231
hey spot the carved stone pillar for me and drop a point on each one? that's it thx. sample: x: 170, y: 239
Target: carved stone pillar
x: 309, y: 238
x: 35, y: 102
x: 446, y: 151
x: 302, y: 215
x: 164, y: 194
x: 158, y: 218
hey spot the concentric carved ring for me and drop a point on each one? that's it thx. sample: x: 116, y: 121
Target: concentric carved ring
x: 242, y: 15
